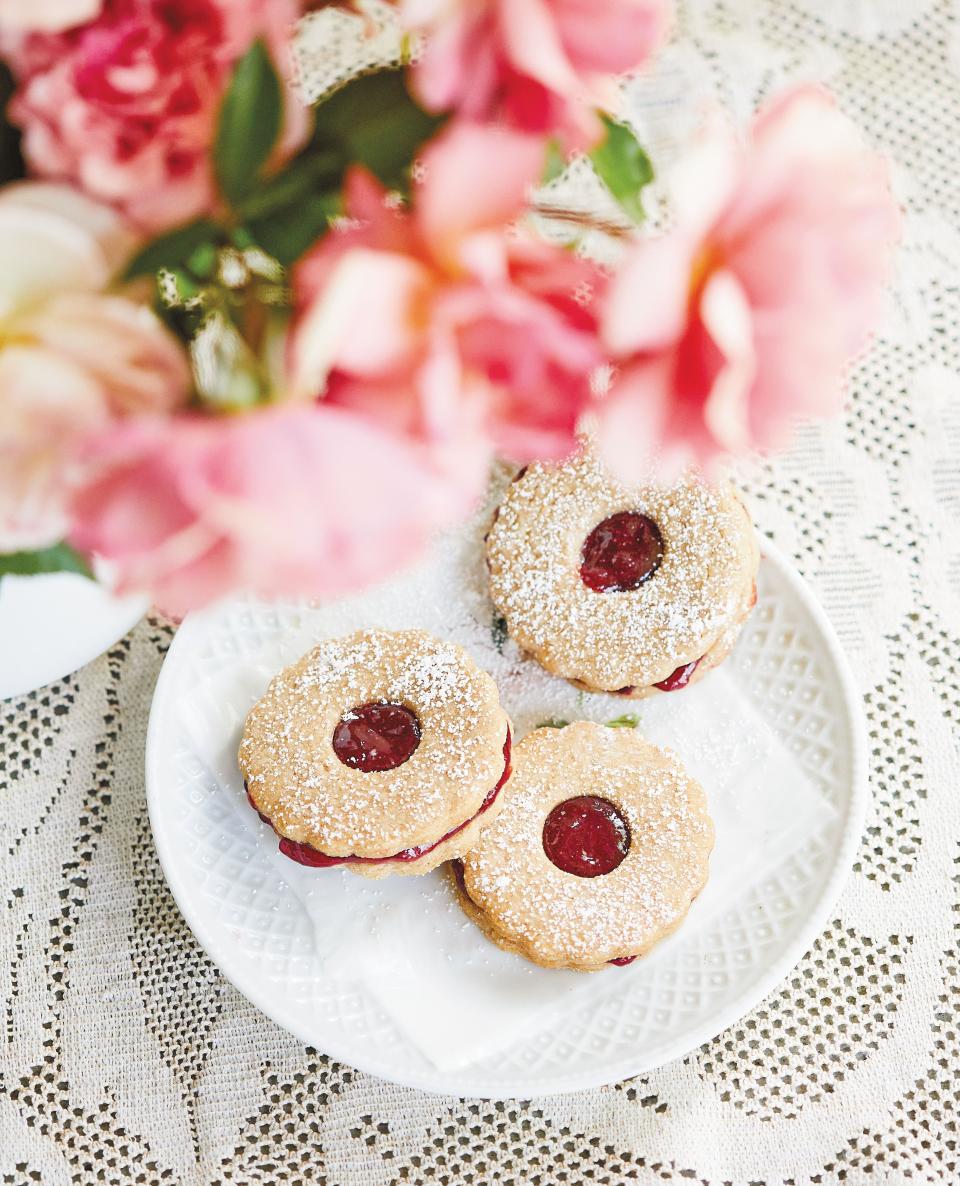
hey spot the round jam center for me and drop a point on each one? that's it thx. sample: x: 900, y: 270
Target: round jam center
x: 586, y: 836
x: 621, y: 553
x: 376, y: 736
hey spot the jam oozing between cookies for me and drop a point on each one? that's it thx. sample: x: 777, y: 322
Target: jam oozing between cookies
x: 376, y: 736
x: 675, y: 680
x: 586, y: 836
x: 621, y: 552
x: 305, y: 854
x: 679, y: 678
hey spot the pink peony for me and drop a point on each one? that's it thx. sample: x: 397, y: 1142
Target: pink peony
x: 744, y: 318
x: 47, y: 16
x: 72, y: 360
x: 438, y: 320
x: 539, y: 64
x: 292, y: 499
x: 125, y: 106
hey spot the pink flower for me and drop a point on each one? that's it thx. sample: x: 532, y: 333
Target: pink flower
x: 125, y: 106
x: 539, y: 64
x: 744, y: 318
x: 440, y: 321
x: 72, y: 360
x: 47, y: 16
x: 293, y: 499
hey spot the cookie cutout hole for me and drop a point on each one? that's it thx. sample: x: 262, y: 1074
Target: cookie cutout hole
x: 376, y: 736
x: 622, y: 552
x: 586, y: 836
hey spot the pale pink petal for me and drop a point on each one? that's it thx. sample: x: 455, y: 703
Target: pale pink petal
x: 47, y: 406
x: 443, y: 388
x: 301, y: 500
x: 704, y: 181
x: 47, y: 16
x: 614, y: 37
x: 137, y: 365
x: 71, y: 359
x: 461, y: 192
x: 631, y: 421
x: 365, y: 200
x: 728, y: 319
x: 367, y: 321
x: 444, y: 70
x: 789, y: 240
x: 533, y: 43
x: 540, y: 66
x: 645, y: 306
x: 53, y: 238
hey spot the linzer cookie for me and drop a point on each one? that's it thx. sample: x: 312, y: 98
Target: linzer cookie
x: 382, y: 751
x: 602, y: 843
x: 629, y: 590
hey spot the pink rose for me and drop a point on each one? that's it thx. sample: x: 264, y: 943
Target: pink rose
x: 125, y: 106
x: 72, y: 360
x: 744, y: 318
x: 539, y: 64
x: 295, y: 499
x: 439, y: 320
x: 47, y: 16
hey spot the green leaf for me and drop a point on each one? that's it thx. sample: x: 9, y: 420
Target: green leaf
x: 553, y: 723
x: 187, y: 287
x: 58, y: 558
x: 499, y: 633
x: 241, y: 238
x: 174, y: 248
x: 313, y: 171
x: 623, y: 166
x: 251, y: 117
x: 629, y: 720
x: 203, y: 261
x: 289, y: 233
x: 11, y: 159
x: 373, y: 121
x: 554, y: 163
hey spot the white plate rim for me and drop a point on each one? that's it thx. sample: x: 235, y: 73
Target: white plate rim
x: 218, y: 948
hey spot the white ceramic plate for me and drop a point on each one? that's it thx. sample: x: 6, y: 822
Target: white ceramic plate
x: 53, y: 624
x: 272, y: 926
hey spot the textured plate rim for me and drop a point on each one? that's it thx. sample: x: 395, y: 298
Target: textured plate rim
x: 217, y: 947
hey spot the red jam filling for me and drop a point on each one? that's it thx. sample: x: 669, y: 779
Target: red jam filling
x: 622, y: 961
x: 304, y: 854
x: 376, y: 736
x: 679, y: 678
x: 586, y: 836
x: 621, y: 553
x: 676, y: 679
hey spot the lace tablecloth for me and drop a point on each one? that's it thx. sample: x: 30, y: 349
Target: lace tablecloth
x: 125, y: 1058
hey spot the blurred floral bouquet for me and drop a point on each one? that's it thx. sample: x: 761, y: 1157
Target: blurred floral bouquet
x: 244, y: 344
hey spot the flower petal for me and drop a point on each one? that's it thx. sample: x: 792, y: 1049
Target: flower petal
x: 461, y: 193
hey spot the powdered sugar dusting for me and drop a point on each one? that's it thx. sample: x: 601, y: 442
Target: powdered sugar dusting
x: 557, y: 917
x: 296, y: 779
x: 635, y: 637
